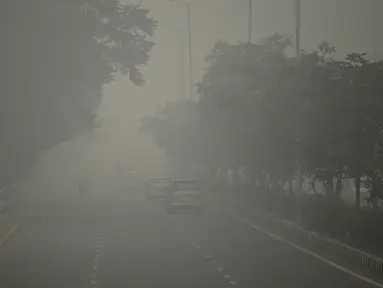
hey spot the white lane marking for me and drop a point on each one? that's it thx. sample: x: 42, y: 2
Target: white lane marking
x: 95, y: 260
x: 93, y: 282
x: 95, y: 267
x: 261, y: 229
x: 209, y: 257
x: 9, y: 234
x: 312, y: 254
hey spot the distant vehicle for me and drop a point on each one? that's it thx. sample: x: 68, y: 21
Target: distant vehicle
x: 157, y: 188
x: 184, y: 195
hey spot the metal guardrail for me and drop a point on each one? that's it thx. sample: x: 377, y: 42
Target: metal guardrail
x: 334, y: 247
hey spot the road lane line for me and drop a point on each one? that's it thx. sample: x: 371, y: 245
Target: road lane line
x: 95, y: 267
x: 210, y: 259
x: 9, y: 234
x: 312, y: 254
x: 262, y: 230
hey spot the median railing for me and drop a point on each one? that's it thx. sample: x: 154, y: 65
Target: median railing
x: 330, y: 246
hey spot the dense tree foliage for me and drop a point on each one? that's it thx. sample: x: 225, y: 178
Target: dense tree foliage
x: 56, y: 56
x: 264, y: 111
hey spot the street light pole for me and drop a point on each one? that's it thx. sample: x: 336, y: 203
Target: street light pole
x: 181, y: 68
x: 249, y: 31
x: 299, y: 178
x: 190, y: 46
x: 190, y: 51
x: 297, y: 27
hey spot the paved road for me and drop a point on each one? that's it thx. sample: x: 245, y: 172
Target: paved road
x: 121, y: 243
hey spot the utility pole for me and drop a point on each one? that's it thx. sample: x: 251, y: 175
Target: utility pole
x: 250, y: 30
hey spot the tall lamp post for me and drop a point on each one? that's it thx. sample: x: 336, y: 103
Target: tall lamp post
x: 250, y: 23
x: 180, y: 36
x: 298, y: 6
x: 190, y: 46
x: 299, y: 178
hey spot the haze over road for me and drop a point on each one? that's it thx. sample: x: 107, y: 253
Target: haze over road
x: 127, y: 242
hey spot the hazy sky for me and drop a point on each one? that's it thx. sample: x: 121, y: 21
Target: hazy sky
x: 351, y: 25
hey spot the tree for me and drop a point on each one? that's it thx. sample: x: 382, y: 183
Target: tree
x: 263, y: 111
x: 57, y: 55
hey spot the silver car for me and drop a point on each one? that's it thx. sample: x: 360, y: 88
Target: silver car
x: 157, y: 188
x: 184, y: 195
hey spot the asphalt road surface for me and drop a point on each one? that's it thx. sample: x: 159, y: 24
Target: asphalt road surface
x: 124, y: 243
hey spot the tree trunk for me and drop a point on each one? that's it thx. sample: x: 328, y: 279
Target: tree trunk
x: 357, y: 193
x: 374, y: 192
x: 330, y: 186
x: 338, y: 187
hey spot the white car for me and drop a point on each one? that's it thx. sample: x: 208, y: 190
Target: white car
x: 184, y: 195
x: 157, y: 188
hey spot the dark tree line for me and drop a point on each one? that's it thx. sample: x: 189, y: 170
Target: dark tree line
x: 56, y: 56
x: 263, y: 111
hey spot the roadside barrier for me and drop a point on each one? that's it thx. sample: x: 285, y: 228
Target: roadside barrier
x: 331, y: 246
